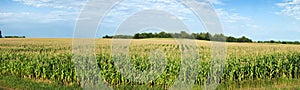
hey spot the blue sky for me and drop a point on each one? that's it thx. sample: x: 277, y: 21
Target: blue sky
x: 256, y: 19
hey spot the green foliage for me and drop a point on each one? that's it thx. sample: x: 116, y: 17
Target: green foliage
x: 279, y: 42
x: 15, y: 37
x: 151, y: 35
x: 123, y: 36
x: 199, y: 36
x: 0, y: 34
x: 18, y: 83
x: 106, y: 36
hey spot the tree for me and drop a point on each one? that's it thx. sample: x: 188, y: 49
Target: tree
x: 106, y: 36
x: 207, y: 36
x: 199, y: 36
x: 231, y: 39
x: 136, y: 36
x: 150, y: 35
x: 15, y: 37
x: 123, y: 36
x: 219, y: 37
x: 162, y: 34
x: 244, y: 39
x: 284, y: 42
x: 0, y: 34
x: 184, y: 34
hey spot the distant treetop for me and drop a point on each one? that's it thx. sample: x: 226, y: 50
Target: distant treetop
x: 0, y: 34
x: 183, y: 34
x: 15, y: 37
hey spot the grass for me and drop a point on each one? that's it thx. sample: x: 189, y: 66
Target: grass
x: 274, y: 84
x: 10, y: 83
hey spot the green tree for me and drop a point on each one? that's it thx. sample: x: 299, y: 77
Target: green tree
x: 244, y: 39
x: 219, y: 37
x: 207, y: 36
x: 184, y: 34
x: 0, y: 34
x: 231, y: 39
x: 106, y: 36
x: 136, y: 36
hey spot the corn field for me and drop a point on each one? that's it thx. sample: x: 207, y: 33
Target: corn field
x: 51, y: 60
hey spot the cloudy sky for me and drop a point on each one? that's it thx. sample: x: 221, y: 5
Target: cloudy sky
x: 256, y: 19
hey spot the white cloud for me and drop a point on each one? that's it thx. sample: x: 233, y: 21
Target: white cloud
x: 291, y: 8
x: 67, y: 10
x: 128, y: 7
x: 59, y: 4
x: 122, y: 10
x: 54, y: 16
x: 230, y: 17
x: 118, y: 14
x: 235, y: 24
x: 218, y: 2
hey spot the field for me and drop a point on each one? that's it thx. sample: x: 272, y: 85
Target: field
x: 247, y: 65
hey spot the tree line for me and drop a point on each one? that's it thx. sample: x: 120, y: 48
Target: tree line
x: 10, y: 36
x: 14, y: 37
x: 279, y: 42
x: 199, y: 36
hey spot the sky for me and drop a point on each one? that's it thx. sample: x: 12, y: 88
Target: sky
x: 256, y: 19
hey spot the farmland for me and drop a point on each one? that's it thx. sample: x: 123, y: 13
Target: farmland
x: 50, y: 61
